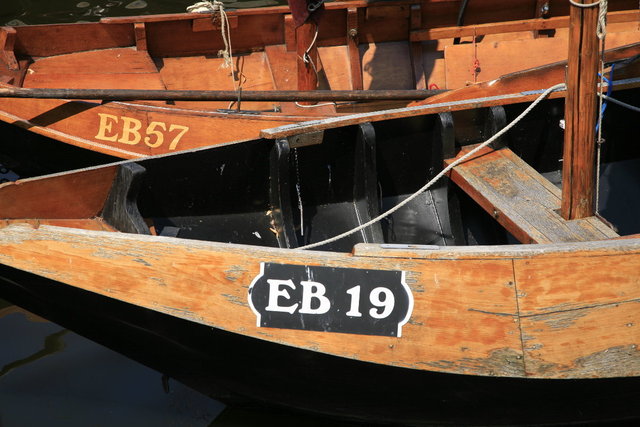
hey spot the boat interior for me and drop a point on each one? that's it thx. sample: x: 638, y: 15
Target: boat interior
x: 360, y: 45
x: 300, y: 190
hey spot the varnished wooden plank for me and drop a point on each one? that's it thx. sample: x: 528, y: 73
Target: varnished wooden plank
x: 536, y: 24
x: 141, y: 36
x: 336, y: 65
x: 353, y: 41
x: 283, y: 67
x: 95, y: 224
x: 103, y: 61
x: 504, y: 57
x: 7, y: 43
x: 87, y: 81
x: 77, y: 195
x: 386, y: 65
x: 67, y: 38
x: 209, y: 73
x: 520, y: 199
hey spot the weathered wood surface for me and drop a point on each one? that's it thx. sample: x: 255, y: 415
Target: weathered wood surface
x: 578, y: 166
x: 539, y: 311
x: 520, y: 199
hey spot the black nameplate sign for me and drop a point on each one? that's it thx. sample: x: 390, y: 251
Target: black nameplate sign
x: 331, y: 299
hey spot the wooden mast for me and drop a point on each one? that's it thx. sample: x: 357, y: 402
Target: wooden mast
x: 578, y: 171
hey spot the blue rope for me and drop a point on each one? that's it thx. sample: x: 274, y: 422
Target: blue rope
x: 609, y: 91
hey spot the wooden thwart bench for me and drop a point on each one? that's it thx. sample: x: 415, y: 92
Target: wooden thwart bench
x: 520, y: 199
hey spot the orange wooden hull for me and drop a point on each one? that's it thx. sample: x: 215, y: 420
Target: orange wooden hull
x: 360, y: 46
x: 533, y: 311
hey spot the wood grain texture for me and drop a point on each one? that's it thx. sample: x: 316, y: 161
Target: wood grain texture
x: 520, y: 199
x: 76, y: 195
x: 466, y: 317
x: 578, y: 166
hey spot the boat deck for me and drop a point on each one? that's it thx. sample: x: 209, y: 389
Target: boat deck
x: 520, y: 199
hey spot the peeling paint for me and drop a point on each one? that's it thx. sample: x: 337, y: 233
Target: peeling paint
x: 502, y: 362
x: 235, y: 299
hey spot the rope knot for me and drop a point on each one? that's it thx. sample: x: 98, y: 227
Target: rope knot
x: 220, y: 19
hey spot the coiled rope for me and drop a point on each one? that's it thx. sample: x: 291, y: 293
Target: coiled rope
x: 429, y: 184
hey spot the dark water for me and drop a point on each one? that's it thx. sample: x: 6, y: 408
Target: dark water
x: 52, y: 376
x: 18, y: 12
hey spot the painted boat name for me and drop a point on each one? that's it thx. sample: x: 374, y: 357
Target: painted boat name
x: 331, y: 299
x: 127, y: 130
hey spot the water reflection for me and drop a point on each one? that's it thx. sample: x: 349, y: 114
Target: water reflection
x: 52, y: 376
x: 31, y: 12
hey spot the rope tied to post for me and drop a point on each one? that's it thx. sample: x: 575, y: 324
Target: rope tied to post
x: 601, y: 31
x: 213, y: 7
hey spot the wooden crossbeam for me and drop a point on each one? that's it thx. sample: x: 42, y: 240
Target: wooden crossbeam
x: 520, y: 199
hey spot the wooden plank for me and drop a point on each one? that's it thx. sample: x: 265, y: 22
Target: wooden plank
x: 75, y: 195
x: 88, y: 81
x: 209, y: 73
x: 283, y: 66
x: 386, y: 65
x: 95, y: 224
x: 353, y: 51
x: 596, y: 296
x: 66, y: 38
x: 7, y: 43
x: 141, y: 36
x: 504, y: 57
x: 521, y: 199
x: 97, y: 62
x: 336, y: 65
x: 537, y: 24
x: 416, y: 50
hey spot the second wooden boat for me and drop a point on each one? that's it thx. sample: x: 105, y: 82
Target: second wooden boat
x: 401, y: 46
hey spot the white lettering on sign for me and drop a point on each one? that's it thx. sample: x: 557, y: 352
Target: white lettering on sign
x: 275, y: 292
x: 314, y: 300
x: 128, y: 130
x: 314, y: 291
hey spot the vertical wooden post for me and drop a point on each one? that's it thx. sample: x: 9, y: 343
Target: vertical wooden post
x: 307, y: 75
x: 578, y: 170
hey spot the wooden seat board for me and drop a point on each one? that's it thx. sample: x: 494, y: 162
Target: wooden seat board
x: 521, y: 199
x: 386, y: 65
x: 207, y: 73
x: 104, y: 61
x: 503, y: 57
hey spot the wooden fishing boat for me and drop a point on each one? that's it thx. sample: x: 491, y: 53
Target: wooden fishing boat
x: 414, y: 45
x: 492, y: 277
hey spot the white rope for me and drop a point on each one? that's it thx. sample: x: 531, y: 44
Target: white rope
x: 225, y: 30
x: 602, y: 15
x: 585, y: 5
x: 622, y: 104
x: 501, y: 132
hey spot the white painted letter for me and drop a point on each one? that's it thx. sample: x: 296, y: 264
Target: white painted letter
x: 355, y: 302
x: 275, y: 292
x: 388, y: 302
x: 311, y: 290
